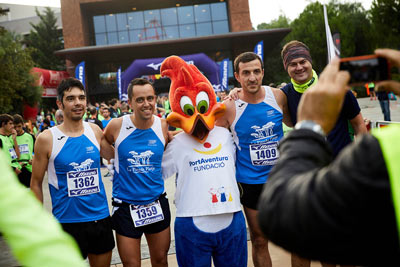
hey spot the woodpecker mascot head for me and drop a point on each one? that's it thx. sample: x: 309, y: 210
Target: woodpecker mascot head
x: 192, y: 97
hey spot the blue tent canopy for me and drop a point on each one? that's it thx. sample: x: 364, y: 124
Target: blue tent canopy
x: 150, y: 66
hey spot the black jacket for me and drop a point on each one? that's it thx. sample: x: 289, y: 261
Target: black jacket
x: 340, y: 211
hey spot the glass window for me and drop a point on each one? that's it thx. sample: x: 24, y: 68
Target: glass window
x: 187, y: 31
x: 135, y: 20
x: 160, y: 24
x: 152, y: 18
x: 203, y: 29
x: 121, y: 22
x: 220, y: 27
x: 218, y: 11
x: 136, y: 36
x: 185, y: 14
x: 99, y: 24
x: 153, y: 34
x: 202, y: 13
x: 168, y: 17
x: 171, y: 32
x: 112, y: 38
x: 110, y: 22
x: 101, y: 39
x: 123, y: 37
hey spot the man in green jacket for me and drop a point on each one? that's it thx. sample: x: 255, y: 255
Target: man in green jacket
x: 8, y: 141
x: 26, y: 143
x: 34, y: 236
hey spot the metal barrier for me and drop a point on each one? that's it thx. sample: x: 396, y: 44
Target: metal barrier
x: 380, y: 124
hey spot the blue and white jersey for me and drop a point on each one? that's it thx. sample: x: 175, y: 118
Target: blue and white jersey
x: 138, y: 155
x: 256, y: 130
x: 76, y: 189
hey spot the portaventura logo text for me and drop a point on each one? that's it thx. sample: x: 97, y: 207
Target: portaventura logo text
x: 207, y: 164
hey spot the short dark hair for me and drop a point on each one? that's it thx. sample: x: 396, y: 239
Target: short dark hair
x: 244, y: 58
x: 137, y: 81
x: 18, y: 119
x: 113, y: 102
x: 66, y: 85
x: 5, y: 118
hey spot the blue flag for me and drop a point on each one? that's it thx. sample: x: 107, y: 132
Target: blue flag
x: 121, y: 96
x: 223, y: 73
x: 259, y: 49
x: 80, y: 72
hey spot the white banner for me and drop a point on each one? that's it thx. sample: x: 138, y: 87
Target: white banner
x: 332, y: 50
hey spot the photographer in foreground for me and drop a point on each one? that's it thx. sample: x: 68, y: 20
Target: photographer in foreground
x: 337, y: 211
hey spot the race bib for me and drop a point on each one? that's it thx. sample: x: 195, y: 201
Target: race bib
x: 146, y: 214
x: 81, y: 183
x: 23, y: 149
x: 264, y: 154
x: 12, y: 153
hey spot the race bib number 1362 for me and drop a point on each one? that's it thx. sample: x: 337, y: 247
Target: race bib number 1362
x: 82, y: 183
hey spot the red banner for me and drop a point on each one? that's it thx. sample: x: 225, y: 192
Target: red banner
x: 49, y: 80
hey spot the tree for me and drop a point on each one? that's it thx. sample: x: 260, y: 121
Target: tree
x: 354, y: 26
x: 45, y: 39
x: 281, y: 22
x: 273, y: 69
x: 385, y: 15
x: 349, y: 19
x: 17, y: 85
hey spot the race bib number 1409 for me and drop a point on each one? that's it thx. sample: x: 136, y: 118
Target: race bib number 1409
x: 264, y: 154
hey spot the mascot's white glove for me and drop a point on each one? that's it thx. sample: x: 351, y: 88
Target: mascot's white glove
x: 110, y: 168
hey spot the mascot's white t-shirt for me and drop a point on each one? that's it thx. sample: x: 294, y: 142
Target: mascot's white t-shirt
x: 205, y: 174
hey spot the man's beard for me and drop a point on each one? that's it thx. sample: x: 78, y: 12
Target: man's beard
x: 76, y: 118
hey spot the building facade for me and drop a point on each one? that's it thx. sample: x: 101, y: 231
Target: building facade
x: 108, y: 34
x: 18, y: 18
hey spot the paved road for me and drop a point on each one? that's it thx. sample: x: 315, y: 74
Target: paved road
x: 370, y: 109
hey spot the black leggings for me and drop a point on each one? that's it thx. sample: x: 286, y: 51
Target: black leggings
x: 25, y: 177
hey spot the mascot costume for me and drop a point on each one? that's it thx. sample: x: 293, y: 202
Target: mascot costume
x: 209, y: 221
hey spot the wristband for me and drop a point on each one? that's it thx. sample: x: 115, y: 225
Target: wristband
x: 311, y: 125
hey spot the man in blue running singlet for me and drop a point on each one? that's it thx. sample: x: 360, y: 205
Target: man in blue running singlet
x: 139, y: 199
x: 255, y: 120
x: 70, y: 153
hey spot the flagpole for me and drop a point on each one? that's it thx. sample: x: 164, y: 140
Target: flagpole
x: 329, y: 40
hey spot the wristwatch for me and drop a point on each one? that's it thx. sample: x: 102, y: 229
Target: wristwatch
x: 311, y: 125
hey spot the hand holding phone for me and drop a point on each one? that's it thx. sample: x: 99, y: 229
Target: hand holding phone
x: 363, y: 69
x: 393, y: 56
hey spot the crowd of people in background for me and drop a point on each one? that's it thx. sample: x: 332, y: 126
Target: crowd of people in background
x: 102, y: 113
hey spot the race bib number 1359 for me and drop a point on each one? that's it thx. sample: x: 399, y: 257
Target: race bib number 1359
x: 146, y: 214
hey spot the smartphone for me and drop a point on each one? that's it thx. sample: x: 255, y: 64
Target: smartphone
x: 363, y: 69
